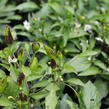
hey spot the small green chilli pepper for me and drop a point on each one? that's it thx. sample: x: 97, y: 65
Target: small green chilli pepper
x: 35, y: 46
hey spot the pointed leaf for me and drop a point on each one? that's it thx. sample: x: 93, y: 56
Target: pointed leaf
x: 75, y: 81
x: 90, y: 71
x: 91, y: 96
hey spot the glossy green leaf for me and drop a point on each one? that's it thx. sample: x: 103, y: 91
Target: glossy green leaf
x: 90, y: 71
x: 63, y: 103
x: 91, y: 96
x: 26, y: 70
x: 11, y: 89
x: 42, y: 83
x: 100, y: 64
x: 72, y: 105
x: 75, y: 81
x: 34, y: 65
x: 102, y: 88
x: 27, y: 6
x: 79, y: 63
x: 51, y: 99
x: 39, y: 95
x: 5, y: 102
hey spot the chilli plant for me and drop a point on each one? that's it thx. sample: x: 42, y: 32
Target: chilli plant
x: 54, y: 54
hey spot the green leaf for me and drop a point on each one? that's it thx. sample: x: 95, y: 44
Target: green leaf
x: 68, y: 68
x: 78, y: 33
x: 44, y: 11
x: 51, y: 99
x: 11, y: 89
x: 71, y: 48
x: 39, y: 95
x: 102, y: 88
x: 63, y: 104
x: 92, y: 42
x: 90, y: 71
x: 69, y: 9
x: 26, y: 70
x: 75, y: 81
x: 72, y: 105
x: 107, y: 39
x: 2, y: 74
x: 13, y: 72
x: 33, y: 77
x: 91, y: 97
x: 42, y: 83
x: 90, y: 52
x: 14, y: 17
x: 3, y: 3
x: 27, y: 6
x: 100, y: 64
x: 34, y: 65
x: 79, y: 63
x: 5, y: 102
x: 83, y: 43
x: 57, y: 8
x: 3, y: 84
x: 66, y: 103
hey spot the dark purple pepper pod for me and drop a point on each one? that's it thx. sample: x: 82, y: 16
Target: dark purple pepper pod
x: 20, y: 79
x: 22, y: 96
x: 52, y: 63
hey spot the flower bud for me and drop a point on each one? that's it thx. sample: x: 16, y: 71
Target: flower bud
x: 8, y: 37
x: 59, y: 54
x: 35, y: 46
x: 20, y: 52
x: 51, y: 53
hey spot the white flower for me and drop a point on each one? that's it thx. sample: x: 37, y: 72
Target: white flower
x: 61, y: 78
x: 26, y: 25
x: 10, y: 60
x: 103, y: 9
x: 87, y: 28
x: 99, y: 39
x: 96, y: 22
x: 89, y: 58
x: 87, y: 41
x: 77, y: 25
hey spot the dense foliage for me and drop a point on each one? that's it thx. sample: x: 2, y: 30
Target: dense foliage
x: 54, y: 54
